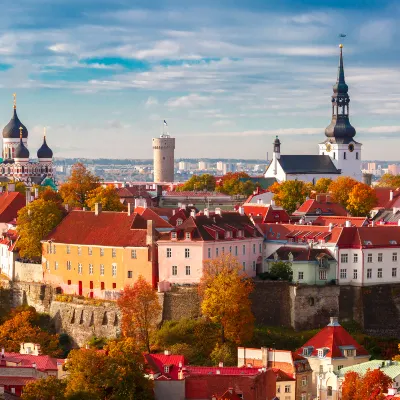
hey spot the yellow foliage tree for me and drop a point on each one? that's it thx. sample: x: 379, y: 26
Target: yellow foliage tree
x: 290, y: 194
x: 225, y: 290
x: 107, y: 197
x: 389, y: 180
x: 322, y: 185
x: 362, y: 199
x: 341, y: 188
x: 50, y: 388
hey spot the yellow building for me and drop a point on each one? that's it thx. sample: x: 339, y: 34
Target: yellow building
x: 95, y: 254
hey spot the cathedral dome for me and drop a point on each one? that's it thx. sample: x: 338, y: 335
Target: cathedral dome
x: 21, y: 151
x: 11, y: 130
x: 44, y: 151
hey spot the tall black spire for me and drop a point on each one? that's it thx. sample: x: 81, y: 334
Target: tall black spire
x: 340, y: 129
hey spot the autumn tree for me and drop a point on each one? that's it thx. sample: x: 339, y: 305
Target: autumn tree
x: 322, y: 185
x: 340, y: 189
x: 77, y: 187
x: 118, y: 373
x: 225, y: 291
x: 48, y: 194
x: 290, y: 194
x: 198, y: 182
x: 22, y: 327
x: 34, y: 222
x: 50, y: 388
x: 107, y: 197
x: 389, y: 180
x: 140, y: 310
x: 372, y: 385
x: 236, y: 183
x: 362, y: 199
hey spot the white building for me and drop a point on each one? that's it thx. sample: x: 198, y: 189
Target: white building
x: 183, y: 166
x: 203, y: 166
x: 163, y: 158
x: 339, y: 153
x: 228, y: 167
x: 219, y: 165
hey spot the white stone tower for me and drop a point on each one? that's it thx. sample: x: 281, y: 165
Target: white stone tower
x: 163, y: 157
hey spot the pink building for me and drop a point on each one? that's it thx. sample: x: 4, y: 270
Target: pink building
x: 393, y: 169
x: 207, y: 235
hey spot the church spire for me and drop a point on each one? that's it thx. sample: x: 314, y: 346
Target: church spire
x: 340, y: 129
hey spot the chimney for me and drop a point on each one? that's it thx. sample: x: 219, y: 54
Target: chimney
x: 167, y: 353
x: 272, y: 203
x: 259, y: 201
x: 221, y: 364
x: 97, y: 208
x: 241, y: 210
x: 318, y: 198
x: 218, y: 372
x: 218, y: 211
x: 36, y: 192
x: 373, y: 223
x: 391, y: 195
x: 173, y: 212
x: 34, y: 365
x: 11, y: 187
x: 330, y: 227
x: 328, y: 198
x: 28, y: 195
x: 348, y: 224
x: 130, y: 209
x: 149, y: 233
x: 264, y: 356
x: 207, y: 212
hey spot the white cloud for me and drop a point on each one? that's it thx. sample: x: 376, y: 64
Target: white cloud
x: 189, y: 101
x: 162, y: 49
x: 151, y: 101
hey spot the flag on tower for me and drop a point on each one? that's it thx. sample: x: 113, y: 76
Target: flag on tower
x: 165, y: 123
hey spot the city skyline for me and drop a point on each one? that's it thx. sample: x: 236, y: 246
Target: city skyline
x: 103, y: 76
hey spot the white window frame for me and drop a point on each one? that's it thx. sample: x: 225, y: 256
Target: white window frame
x: 344, y: 258
x: 187, y: 253
x: 169, y: 252
x: 114, y: 270
x: 187, y: 270
x: 355, y: 273
x: 134, y: 254
x: 102, y: 270
x: 369, y: 258
x: 394, y: 272
x: 355, y: 258
x: 80, y: 268
x: 394, y: 257
x: 174, y: 270
x: 379, y: 273
x: 90, y: 269
x: 380, y: 257
x: 300, y: 275
x: 369, y: 273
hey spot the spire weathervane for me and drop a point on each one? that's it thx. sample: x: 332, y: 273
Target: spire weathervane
x: 15, y: 100
x: 44, y: 132
x: 20, y: 132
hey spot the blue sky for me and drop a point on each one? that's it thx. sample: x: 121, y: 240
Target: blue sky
x: 227, y: 75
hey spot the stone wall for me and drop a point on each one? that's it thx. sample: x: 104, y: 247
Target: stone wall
x: 27, y: 272
x: 181, y: 303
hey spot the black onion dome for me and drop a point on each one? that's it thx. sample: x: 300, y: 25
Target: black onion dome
x: 21, y: 151
x: 44, y: 151
x: 11, y: 130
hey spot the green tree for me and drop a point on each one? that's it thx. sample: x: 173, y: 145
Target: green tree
x: 226, y: 353
x: 107, y: 197
x: 290, y: 194
x: 49, y: 388
x: 34, y: 223
x: 77, y: 187
x: 198, y: 182
x: 282, y: 270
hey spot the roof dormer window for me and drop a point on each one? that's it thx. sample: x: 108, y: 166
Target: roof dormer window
x: 166, y: 369
x: 173, y: 235
x: 179, y: 221
x: 216, y: 236
x: 320, y: 353
x: 187, y: 235
x: 228, y: 234
x: 306, y: 351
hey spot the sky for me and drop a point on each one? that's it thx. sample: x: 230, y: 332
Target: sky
x: 227, y: 76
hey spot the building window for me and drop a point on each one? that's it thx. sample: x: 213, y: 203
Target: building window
x: 187, y: 235
x: 216, y: 252
x: 394, y: 257
x: 244, y: 249
x: 394, y: 272
x: 68, y: 265
x: 68, y: 249
x: 114, y: 253
x: 369, y: 258
x: 254, y: 248
x: 321, y: 369
x: 209, y: 252
x: 343, y: 273
x: 304, y: 381
x: 300, y: 275
x: 322, y: 275
x: 334, y: 155
x: 244, y: 266
x: 55, y: 265
x: 114, y: 285
x: 344, y: 155
x: 79, y: 268
x: 187, y: 269
x: 169, y: 253
x: 230, y: 249
x: 260, y: 248
x: 223, y: 250
x: 379, y: 273
x: 90, y: 269
x: 339, y: 367
x: 380, y: 257
x: 350, y: 353
x: 130, y: 274
x: 287, y: 388
x: 114, y: 270
x: 69, y: 281
x: 79, y: 250
x: 134, y: 255
x: 90, y: 251
x: 355, y: 273
x: 320, y: 353
x: 173, y: 235
x: 369, y: 273
x: 356, y: 155
x: 174, y: 270
x: 254, y: 266
x: 54, y: 249
x: 329, y: 391
x: 355, y: 258
x: 236, y: 250
x: 344, y: 258
x: 166, y: 369
x: 187, y: 253
x: 101, y: 252
x: 101, y: 269
x: 179, y: 221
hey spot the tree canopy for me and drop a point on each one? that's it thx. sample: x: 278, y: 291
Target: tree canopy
x: 322, y: 185
x: 140, y: 311
x: 389, y: 180
x: 290, y: 194
x: 198, y: 182
x: 340, y: 189
x: 50, y: 388
x: 281, y: 270
x: 107, y: 197
x: 76, y: 188
x: 235, y: 183
x: 224, y: 291
x: 362, y: 199
x: 34, y: 222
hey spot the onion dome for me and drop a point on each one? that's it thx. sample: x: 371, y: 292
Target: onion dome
x: 11, y: 130
x: 21, y: 151
x: 44, y: 151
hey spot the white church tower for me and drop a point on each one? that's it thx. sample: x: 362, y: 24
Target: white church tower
x: 340, y: 145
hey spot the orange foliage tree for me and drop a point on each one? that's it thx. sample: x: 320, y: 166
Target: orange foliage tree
x: 140, y: 311
x: 290, y: 194
x: 22, y: 328
x: 370, y: 386
x: 235, y: 183
x: 77, y: 187
x: 340, y: 189
x: 50, y: 388
x: 389, y: 180
x: 322, y: 185
x: 362, y: 199
x: 107, y: 197
x: 224, y: 290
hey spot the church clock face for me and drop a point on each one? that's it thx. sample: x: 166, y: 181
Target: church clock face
x: 351, y: 147
x: 328, y: 147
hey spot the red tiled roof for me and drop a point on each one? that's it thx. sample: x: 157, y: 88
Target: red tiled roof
x: 340, y: 221
x: 109, y: 228
x: 43, y: 362
x: 10, y: 204
x: 149, y: 214
x: 194, y: 370
x: 333, y: 337
x: 282, y: 375
x: 15, y: 380
x: 310, y: 207
x: 158, y: 361
x: 269, y: 214
x: 383, y: 195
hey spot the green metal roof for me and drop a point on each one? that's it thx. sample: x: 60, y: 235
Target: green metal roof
x: 49, y: 182
x: 389, y: 368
